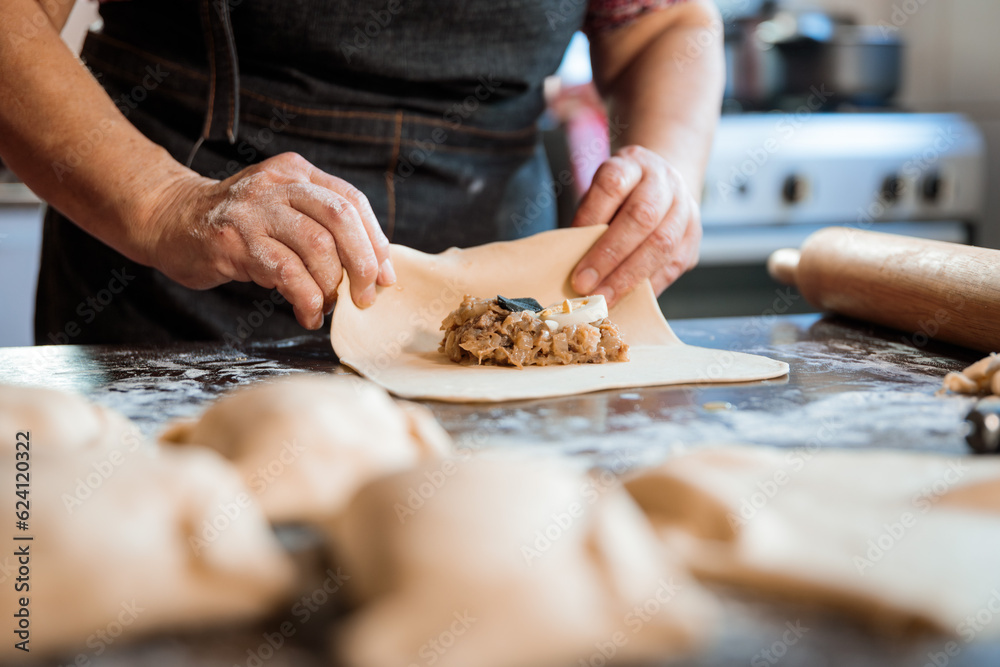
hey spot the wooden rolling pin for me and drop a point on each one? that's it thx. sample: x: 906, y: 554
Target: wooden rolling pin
x: 931, y: 289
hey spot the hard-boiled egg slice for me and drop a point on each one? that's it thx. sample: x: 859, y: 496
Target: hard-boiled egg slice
x: 584, y: 310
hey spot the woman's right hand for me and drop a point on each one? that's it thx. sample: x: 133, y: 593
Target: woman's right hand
x: 282, y: 224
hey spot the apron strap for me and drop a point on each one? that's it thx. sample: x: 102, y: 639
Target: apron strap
x: 223, y: 109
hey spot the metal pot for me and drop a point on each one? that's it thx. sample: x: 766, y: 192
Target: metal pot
x: 856, y: 64
x: 776, y: 58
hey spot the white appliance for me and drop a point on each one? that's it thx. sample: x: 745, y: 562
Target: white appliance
x: 773, y: 178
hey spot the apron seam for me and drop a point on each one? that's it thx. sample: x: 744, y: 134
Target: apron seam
x: 126, y: 78
x: 146, y: 54
x: 390, y: 175
x: 352, y: 136
x: 329, y: 134
x: 412, y: 118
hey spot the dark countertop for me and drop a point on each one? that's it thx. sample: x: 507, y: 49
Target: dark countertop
x: 850, y: 385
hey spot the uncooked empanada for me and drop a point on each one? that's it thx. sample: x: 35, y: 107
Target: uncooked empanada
x: 395, y: 341
x: 894, y: 537
x: 493, y: 562
x: 124, y: 545
x: 305, y: 443
x: 64, y: 422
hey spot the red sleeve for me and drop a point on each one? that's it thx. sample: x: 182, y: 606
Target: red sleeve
x: 608, y: 14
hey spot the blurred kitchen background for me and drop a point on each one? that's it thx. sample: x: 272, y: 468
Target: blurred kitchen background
x: 878, y: 114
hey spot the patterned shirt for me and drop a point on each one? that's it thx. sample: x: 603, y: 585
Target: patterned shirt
x: 609, y: 14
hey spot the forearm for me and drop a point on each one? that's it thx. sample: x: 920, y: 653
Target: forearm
x: 65, y: 138
x: 667, y: 97
x: 58, y: 11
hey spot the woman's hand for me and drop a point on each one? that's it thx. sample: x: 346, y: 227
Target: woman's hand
x: 282, y: 224
x: 655, y: 225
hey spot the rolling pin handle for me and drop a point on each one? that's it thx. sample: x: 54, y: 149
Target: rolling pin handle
x: 783, y: 265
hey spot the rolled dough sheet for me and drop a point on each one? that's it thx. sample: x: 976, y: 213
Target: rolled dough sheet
x: 395, y: 342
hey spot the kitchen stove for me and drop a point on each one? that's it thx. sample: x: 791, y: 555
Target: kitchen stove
x: 786, y: 174
x: 774, y: 178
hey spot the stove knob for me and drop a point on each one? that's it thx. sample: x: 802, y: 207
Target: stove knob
x: 932, y: 187
x: 794, y: 189
x: 892, y: 189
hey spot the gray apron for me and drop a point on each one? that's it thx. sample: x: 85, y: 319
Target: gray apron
x: 429, y: 107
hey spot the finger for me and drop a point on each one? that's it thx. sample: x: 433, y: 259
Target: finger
x: 343, y: 221
x: 638, y: 217
x: 660, y: 252
x: 275, y: 265
x: 380, y: 244
x: 667, y: 275
x: 612, y: 183
x: 315, y: 246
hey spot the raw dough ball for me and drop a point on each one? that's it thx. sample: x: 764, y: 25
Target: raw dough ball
x: 128, y: 544
x: 305, y: 443
x: 897, y: 538
x: 60, y: 421
x: 494, y: 562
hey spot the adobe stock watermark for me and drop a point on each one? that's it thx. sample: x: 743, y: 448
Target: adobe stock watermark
x: 253, y: 145
x: 784, y: 130
x: 773, y: 654
x: 929, y: 327
x: 226, y: 513
x: 265, y: 475
x: 92, y: 306
x: 434, y: 480
x: 365, y: 34
x: 566, y: 10
x: 911, y: 171
x: 419, y: 150
x: 967, y: 629
x: 30, y: 28
x: 766, y: 489
x: 302, y: 610
x: 752, y: 331
x: 85, y: 486
x: 561, y: 522
x: 711, y: 36
x: 633, y: 622
x: 901, y: 14
x: 428, y: 318
x: 894, y: 531
x: 246, y: 325
x: 230, y: 511
x: 125, y: 102
x: 101, y: 640
x: 131, y: 99
x: 434, y: 649
x: 581, y: 156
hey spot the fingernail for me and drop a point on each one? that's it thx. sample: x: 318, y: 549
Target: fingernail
x: 386, y: 274
x: 586, y: 280
x: 608, y: 292
x: 367, y: 297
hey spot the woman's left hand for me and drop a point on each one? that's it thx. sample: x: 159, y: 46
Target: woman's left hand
x: 655, y: 225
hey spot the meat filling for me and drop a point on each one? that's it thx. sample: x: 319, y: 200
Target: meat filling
x: 481, y: 331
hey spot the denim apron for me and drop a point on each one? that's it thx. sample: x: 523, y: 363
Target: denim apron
x: 429, y: 107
